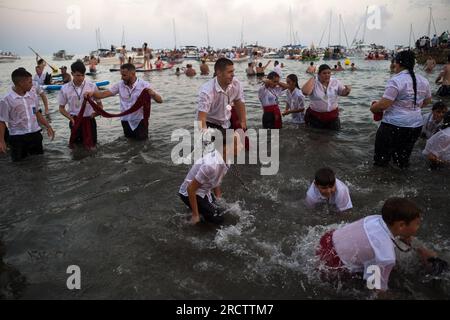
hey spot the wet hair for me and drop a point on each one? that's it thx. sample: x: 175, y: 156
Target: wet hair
x: 311, y: 64
x: 323, y: 68
x: 325, y: 177
x: 400, y: 209
x: 407, y: 59
x: 19, y: 75
x: 273, y: 75
x: 40, y: 62
x: 128, y: 66
x: 260, y: 65
x: 222, y: 64
x: 294, y: 79
x: 439, y: 106
x: 276, y: 63
x: 78, y: 66
x: 446, y: 121
x: 145, y: 45
x: 250, y: 64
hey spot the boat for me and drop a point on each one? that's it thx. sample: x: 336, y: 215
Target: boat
x: 58, y: 87
x: 191, y: 52
x: 8, y: 56
x: 61, y: 55
x: 144, y: 70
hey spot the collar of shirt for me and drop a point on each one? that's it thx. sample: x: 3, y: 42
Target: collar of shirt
x: 219, y: 88
x: 80, y: 86
x: 15, y: 95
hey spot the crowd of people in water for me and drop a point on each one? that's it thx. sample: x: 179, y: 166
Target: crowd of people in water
x: 222, y: 106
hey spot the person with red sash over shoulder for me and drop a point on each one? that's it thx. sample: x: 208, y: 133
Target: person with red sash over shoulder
x: 269, y: 95
x: 135, y: 126
x: 324, y: 92
x: 72, y: 95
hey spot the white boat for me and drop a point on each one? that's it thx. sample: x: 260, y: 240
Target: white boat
x: 61, y: 55
x: 8, y: 57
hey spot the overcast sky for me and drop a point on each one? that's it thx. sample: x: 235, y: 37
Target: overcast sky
x: 43, y: 24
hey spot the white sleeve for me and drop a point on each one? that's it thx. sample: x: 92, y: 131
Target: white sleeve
x: 392, y: 90
x: 4, y: 112
x: 114, y: 89
x: 204, y: 174
x: 311, y: 198
x: 343, y: 199
x: 62, y: 98
x: 438, y: 145
x: 204, y: 102
x: 262, y: 94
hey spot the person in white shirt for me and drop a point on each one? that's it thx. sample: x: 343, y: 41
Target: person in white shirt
x: 72, y: 94
x: 19, y: 109
x: 437, y: 149
x: 327, y: 189
x: 269, y: 95
x: 295, y: 100
x: 277, y: 68
x: 372, y: 242
x: 219, y: 96
x: 405, y: 96
x: 202, y: 186
x: 433, y: 121
x: 129, y: 90
x: 324, y: 91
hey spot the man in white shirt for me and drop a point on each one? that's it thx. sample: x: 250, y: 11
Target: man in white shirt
x: 330, y: 190
x: 19, y: 109
x: 277, y: 68
x: 202, y: 186
x: 219, y: 96
x: 129, y: 90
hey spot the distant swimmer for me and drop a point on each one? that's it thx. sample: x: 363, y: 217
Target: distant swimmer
x: 93, y: 64
x: 338, y: 67
x: 260, y: 70
x: 190, y: 71
x: 122, y: 55
x: 444, y: 80
x: 311, y: 69
x: 204, y: 68
x: 353, y: 67
x: 251, y: 70
x: 430, y: 64
x: 269, y: 95
x: 147, y: 57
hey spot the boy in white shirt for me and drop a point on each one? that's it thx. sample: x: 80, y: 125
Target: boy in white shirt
x: 326, y: 188
x: 202, y: 186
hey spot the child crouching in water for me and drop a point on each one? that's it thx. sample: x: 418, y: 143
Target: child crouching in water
x: 327, y: 189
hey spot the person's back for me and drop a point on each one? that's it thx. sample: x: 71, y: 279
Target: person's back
x: 204, y: 69
x: 190, y: 72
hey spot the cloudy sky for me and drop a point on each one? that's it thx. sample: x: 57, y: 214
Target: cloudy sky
x: 50, y: 25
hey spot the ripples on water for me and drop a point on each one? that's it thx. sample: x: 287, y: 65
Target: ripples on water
x: 117, y: 215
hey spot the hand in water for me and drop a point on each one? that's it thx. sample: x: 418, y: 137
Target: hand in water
x: 2, y: 147
x: 195, y: 220
x: 51, y: 133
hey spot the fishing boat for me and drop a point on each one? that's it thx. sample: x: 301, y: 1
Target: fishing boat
x: 8, y: 56
x: 61, y: 55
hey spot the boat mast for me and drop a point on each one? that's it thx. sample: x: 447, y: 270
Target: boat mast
x: 123, y: 35
x: 242, y: 33
x: 174, y: 34
x: 345, y: 32
x: 329, y: 30
x: 207, y: 31
x: 365, y: 25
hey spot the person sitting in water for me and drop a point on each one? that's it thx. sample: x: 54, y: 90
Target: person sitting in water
x: 278, y: 68
x: 372, y: 242
x: 339, y: 67
x: 178, y: 72
x: 295, y: 100
x: 250, y: 70
x: 437, y: 149
x: 353, y: 67
x: 269, y: 95
x: 204, y: 68
x: 311, y: 69
x: 260, y: 70
x: 159, y: 64
x: 190, y: 71
x: 324, y: 91
x: 19, y: 110
x: 327, y: 189
x: 93, y: 61
x: 433, y: 120
x: 202, y: 186
x: 66, y: 78
x: 430, y: 64
x: 444, y: 80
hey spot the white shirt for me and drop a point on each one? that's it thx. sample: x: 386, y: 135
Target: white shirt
x: 367, y: 242
x: 128, y: 97
x: 74, y: 96
x: 403, y: 113
x: 430, y: 126
x: 341, y: 198
x: 209, y: 172
x: 322, y: 101
x: 216, y: 102
x: 296, y: 101
x: 40, y: 79
x: 269, y: 96
x: 278, y: 70
x: 19, y: 112
x: 439, y: 145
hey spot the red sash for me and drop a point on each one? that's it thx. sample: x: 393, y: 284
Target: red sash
x: 144, y: 101
x: 275, y: 109
x: 325, y: 117
x: 327, y: 252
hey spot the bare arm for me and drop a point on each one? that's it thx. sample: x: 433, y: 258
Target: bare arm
x: 155, y: 96
x: 202, y: 118
x: 99, y: 94
x: 63, y: 111
x: 267, y: 64
x: 218, y: 192
x: 308, y: 87
x: 192, y: 192
x: 44, y: 122
x: 242, y: 113
x: 45, y: 101
x: 381, y: 105
x: 427, y: 102
x: 346, y: 91
x: 2, y: 137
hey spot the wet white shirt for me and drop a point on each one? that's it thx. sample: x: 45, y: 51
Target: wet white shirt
x: 269, y: 96
x: 367, y: 242
x: 296, y: 101
x: 40, y: 79
x: 326, y: 100
x: 19, y: 112
x: 403, y: 113
x: 278, y: 70
x: 430, y: 126
x: 439, y: 145
x: 341, y: 198
x: 73, y: 96
x: 128, y: 97
x: 209, y: 172
x: 217, y: 103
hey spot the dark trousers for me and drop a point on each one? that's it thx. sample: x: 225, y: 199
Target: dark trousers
x: 216, y: 126
x: 209, y: 211
x: 395, y: 143
x: 312, y: 121
x: 79, y: 136
x: 6, y: 136
x: 140, y: 134
x: 25, y: 145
